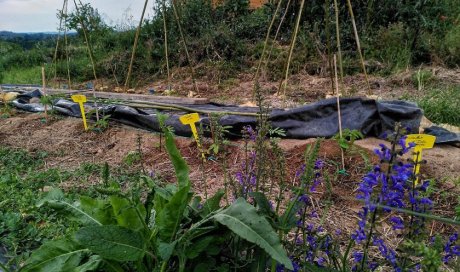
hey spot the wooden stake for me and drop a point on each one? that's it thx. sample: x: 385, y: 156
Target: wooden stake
x: 166, y: 44
x: 57, y: 43
x: 338, y: 108
x: 88, y: 44
x: 184, y: 41
x: 291, y: 50
x: 358, y: 46
x: 69, y: 83
x: 337, y: 33
x: 44, y: 90
x: 136, y: 40
x: 267, y: 37
x: 95, y: 103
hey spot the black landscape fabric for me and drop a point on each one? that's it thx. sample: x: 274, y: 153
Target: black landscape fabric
x: 319, y: 119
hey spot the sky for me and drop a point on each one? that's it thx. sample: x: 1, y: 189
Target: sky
x: 40, y: 15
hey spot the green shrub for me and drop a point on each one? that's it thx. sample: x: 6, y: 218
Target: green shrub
x: 442, y: 105
x: 391, y: 46
x: 451, y: 46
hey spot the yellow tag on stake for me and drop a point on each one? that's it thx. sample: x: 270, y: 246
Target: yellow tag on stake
x: 80, y: 99
x: 191, y: 119
x: 421, y: 141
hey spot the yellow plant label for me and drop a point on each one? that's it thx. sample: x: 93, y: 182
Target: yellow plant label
x: 190, y: 119
x: 80, y: 99
x: 421, y: 141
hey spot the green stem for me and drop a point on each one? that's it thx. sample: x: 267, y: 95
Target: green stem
x: 4, y: 268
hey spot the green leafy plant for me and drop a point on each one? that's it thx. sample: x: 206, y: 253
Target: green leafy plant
x: 101, y: 125
x: 168, y: 232
x: 348, y: 138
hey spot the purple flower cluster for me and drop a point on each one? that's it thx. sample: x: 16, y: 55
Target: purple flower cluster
x: 295, y: 265
x: 451, y: 249
x: 246, y: 177
x: 360, y: 234
x: 250, y: 133
x: 388, y: 253
x: 317, y: 172
x: 388, y: 184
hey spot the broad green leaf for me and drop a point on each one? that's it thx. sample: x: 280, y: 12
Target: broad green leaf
x: 288, y: 219
x: 213, y: 203
x: 165, y: 250
x: 180, y: 166
x: 205, y: 266
x: 92, y: 264
x: 199, y: 246
x: 55, y: 256
x: 169, y: 218
x: 262, y: 203
x: 112, y: 242
x: 98, y: 209
x: 126, y: 214
x: 242, y: 219
x: 56, y: 200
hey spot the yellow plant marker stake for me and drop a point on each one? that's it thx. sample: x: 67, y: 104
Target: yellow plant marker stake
x: 80, y: 99
x: 191, y: 119
x: 421, y: 141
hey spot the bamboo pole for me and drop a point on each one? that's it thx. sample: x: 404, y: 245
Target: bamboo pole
x: 166, y: 44
x: 166, y: 106
x: 338, y: 109
x: 328, y: 42
x: 136, y: 40
x: 90, y: 52
x: 291, y: 50
x: 57, y: 42
x: 337, y: 33
x: 88, y: 45
x: 267, y: 37
x: 67, y: 47
x: 276, y: 33
x: 181, y: 32
x: 44, y: 90
x: 358, y: 45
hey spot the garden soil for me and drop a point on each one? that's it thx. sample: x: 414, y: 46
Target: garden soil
x: 68, y: 146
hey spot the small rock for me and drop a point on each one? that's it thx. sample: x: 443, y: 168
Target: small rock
x: 34, y: 100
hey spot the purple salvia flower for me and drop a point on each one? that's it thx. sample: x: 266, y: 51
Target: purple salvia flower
x: 451, y: 250
x: 397, y: 222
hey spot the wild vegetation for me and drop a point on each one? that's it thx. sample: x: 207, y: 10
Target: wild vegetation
x: 264, y: 218
x: 229, y: 38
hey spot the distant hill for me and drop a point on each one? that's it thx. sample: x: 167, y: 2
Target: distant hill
x: 8, y: 35
x: 28, y: 40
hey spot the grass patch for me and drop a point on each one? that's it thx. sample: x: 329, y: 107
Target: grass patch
x: 24, y: 181
x: 28, y: 75
x: 442, y: 105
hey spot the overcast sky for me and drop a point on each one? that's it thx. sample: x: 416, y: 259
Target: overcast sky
x: 40, y: 15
